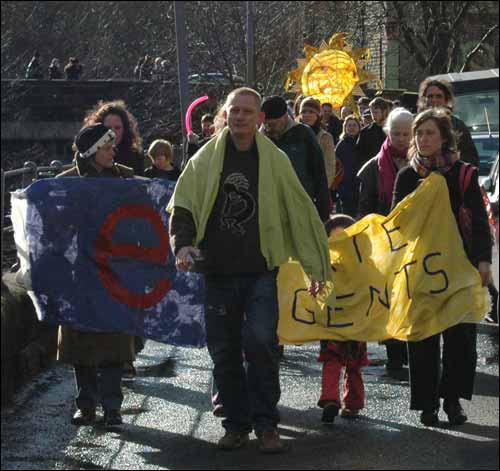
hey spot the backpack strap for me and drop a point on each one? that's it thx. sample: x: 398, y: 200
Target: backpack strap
x: 464, y: 177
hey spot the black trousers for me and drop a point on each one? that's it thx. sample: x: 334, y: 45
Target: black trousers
x: 494, y: 301
x: 397, y: 354
x: 455, y: 379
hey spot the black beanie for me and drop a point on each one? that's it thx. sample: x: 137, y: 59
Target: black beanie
x: 91, y: 138
x: 274, y: 107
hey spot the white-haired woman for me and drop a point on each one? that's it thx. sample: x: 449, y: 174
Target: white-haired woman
x: 377, y: 178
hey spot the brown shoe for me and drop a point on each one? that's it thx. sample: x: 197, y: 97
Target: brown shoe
x: 270, y: 442
x: 232, y: 441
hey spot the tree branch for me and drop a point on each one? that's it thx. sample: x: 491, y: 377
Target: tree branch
x: 460, y: 15
x: 476, y: 49
x: 409, y: 36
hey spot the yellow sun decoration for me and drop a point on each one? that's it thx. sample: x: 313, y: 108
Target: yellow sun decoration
x: 331, y: 73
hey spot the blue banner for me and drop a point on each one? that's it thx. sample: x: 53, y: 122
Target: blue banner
x: 99, y: 257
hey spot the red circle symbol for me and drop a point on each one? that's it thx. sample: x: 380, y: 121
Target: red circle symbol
x: 105, y: 249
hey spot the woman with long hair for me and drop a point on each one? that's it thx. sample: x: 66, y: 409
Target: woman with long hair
x: 434, y: 149
x: 115, y: 115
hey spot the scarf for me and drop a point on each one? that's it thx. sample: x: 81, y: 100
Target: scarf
x: 389, y: 161
x: 289, y: 225
x: 425, y: 165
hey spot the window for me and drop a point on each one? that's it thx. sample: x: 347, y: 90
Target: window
x: 476, y: 109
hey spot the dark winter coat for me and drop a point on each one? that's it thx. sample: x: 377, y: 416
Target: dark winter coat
x: 347, y: 153
x: 192, y: 147
x: 368, y: 200
x: 130, y: 158
x: 370, y: 141
x: 73, y: 71
x: 146, y: 71
x: 55, y: 73
x: 334, y: 127
x: 465, y: 144
x: 304, y: 152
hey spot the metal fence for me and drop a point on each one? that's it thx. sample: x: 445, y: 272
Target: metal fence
x: 21, y: 178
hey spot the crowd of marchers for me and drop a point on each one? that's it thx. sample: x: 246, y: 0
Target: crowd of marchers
x: 301, y: 171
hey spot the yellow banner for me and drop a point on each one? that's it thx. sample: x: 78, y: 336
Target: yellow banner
x: 404, y: 276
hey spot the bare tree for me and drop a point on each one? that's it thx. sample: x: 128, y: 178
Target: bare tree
x: 109, y: 37
x: 470, y: 56
x: 434, y: 32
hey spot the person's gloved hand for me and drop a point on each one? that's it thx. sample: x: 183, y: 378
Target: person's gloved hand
x: 192, y: 138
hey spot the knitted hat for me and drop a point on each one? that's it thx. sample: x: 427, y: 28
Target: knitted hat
x: 312, y: 103
x: 90, y: 139
x: 274, y: 107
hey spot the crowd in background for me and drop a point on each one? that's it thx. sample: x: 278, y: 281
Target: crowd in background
x: 72, y: 70
x: 147, y: 68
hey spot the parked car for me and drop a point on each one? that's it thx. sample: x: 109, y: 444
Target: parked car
x: 490, y: 184
x: 476, y: 98
x: 487, y: 146
x: 476, y: 103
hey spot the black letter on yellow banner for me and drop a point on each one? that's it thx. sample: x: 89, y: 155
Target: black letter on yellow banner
x: 407, y: 277
x: 385, y: 302
x: 294, y: 309
x: 388, y: 232
x: 439, y: 272
x: 338, y: 309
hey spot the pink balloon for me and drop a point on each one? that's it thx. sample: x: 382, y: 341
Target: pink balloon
x: 190, y: 109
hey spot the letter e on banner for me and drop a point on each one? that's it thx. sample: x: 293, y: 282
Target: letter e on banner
x: 391, y: 241
x: 106, y: 249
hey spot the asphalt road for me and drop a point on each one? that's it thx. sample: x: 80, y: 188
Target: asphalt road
x: 169, y: 424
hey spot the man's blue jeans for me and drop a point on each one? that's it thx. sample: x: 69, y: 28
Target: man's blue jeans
x: 242, y: 316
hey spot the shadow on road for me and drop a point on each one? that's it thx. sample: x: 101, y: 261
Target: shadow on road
x: 365, y: 444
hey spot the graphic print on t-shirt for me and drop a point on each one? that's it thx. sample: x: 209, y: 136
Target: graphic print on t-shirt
x: 239, y: 204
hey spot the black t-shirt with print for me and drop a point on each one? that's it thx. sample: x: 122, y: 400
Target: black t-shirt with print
x: 232, y: 242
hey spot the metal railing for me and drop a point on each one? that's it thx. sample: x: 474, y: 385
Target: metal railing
x: 28, y: 173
